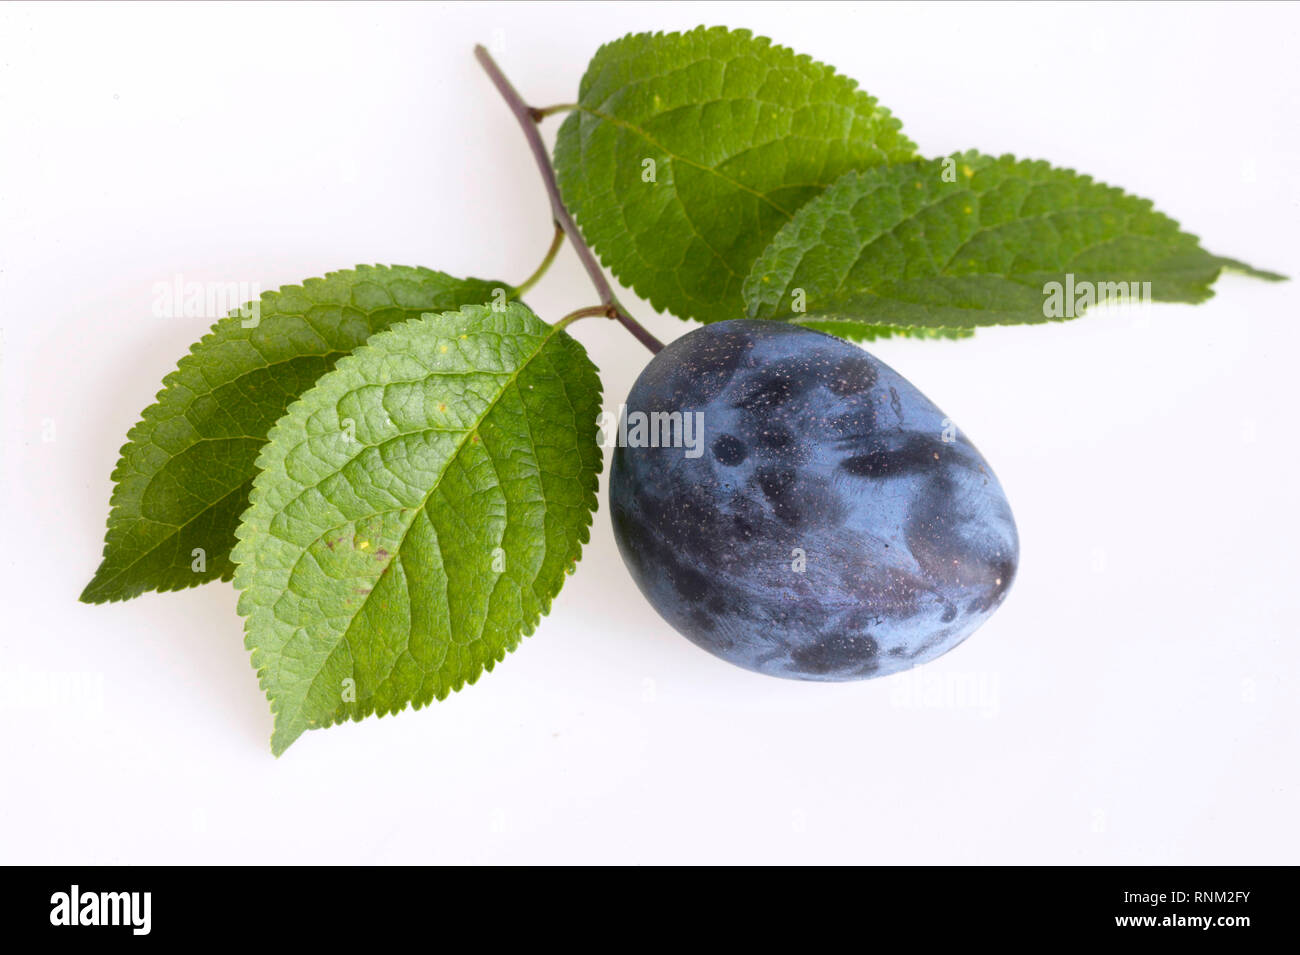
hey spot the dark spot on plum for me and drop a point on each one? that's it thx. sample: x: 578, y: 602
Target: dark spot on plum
x: 851, y: 375
x: 633, y: 534
x: 1006, y: 572
x: 778, y: 486
x: 690, y: 583
x: 917, y: 455
x: 744, y: 527
x: 774, y: 385
x: 778, y: 445
x: 836, y: 653
x: 702, y: 366
x: 873, y: 464
x: 703, y: 621
x: 1001, y: 573
x: 729, y: 450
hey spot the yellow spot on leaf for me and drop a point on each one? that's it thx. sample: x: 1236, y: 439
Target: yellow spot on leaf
x: 967, y: 171
x: 442, y: 348
x: 363, y: 545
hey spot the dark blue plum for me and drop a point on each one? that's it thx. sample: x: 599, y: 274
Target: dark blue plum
x: 832, y: 523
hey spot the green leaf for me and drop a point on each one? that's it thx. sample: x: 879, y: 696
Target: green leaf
x: 416, y: 513
x: 186, y: 469
x: 738, y: 134
x: 973, y: 240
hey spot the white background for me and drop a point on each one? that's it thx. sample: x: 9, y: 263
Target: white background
x: 1135, y: 700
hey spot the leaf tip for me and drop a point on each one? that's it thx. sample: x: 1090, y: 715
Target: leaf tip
x: 283, y: 736
x: 1241, y: 268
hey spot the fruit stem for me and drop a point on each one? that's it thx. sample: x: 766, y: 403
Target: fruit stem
x: 556, y: 241
x: 527, y: 119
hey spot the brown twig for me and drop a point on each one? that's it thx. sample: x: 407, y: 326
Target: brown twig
x: 528, y: 118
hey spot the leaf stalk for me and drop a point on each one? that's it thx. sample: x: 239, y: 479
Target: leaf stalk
x: 556, y: 241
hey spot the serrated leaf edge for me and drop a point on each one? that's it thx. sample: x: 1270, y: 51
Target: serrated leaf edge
x: 887, y: 118
x: 756, y: 276
x: 279, y: 744
x: 139, y: 431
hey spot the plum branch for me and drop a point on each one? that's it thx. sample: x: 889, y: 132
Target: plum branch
x: 528, y: 117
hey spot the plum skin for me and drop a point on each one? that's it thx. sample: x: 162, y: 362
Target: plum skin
x: 811, y: 446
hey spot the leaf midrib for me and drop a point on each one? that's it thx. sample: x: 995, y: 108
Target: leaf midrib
x: 637, y: 130
x: 175, y: 531
x: 836, y: 297
x: 415, y: 511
